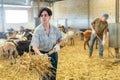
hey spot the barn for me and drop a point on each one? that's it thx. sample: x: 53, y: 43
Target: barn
x: 69, y: 32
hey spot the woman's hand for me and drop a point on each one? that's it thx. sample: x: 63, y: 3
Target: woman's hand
x: 36, y: 50
x: 57, y: 47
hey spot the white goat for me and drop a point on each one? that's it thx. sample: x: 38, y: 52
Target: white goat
x: 68, y: 37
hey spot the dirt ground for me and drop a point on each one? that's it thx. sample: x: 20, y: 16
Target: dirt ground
x: 74, y: 64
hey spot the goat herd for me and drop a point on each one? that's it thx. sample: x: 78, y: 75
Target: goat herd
x: 15, y: 44
x: 71, y: 33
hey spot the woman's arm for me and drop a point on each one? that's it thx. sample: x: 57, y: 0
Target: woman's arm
x: 36, y: 50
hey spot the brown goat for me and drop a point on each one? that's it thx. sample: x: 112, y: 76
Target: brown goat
x: 87, y: 35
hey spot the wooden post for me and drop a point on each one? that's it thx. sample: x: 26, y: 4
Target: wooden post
x: 117, y: 21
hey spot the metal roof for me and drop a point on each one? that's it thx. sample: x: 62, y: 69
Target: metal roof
x: 24, y: 2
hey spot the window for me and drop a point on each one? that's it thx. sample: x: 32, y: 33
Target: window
x: 16, y: 16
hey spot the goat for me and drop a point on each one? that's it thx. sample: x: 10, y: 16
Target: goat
x: 87, y: 35
x: 68, y: 37
x: 10, y: 49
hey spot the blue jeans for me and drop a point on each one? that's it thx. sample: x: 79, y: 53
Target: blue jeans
x: 54, y: 62
x: 92, y: 41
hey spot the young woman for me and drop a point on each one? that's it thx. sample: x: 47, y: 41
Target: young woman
x: 46, y: 37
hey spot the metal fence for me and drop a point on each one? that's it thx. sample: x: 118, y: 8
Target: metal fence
x: 114, y: 35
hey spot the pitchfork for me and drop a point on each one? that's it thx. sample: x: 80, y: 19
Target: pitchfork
x: 105, y: 45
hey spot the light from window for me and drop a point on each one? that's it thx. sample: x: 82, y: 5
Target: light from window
x: 16, y: 16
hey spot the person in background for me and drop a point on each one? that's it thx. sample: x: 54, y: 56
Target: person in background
x: 22, y: 29
x: 47, y: 37
x: 99, y: 30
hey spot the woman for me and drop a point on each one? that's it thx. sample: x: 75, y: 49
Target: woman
x: 46, y: 37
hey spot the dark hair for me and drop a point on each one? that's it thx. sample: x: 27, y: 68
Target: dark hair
x: 45, y: 9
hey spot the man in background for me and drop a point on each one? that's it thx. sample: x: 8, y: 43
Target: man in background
x: 99, y: 30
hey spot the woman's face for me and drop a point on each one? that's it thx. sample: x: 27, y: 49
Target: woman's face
x: 45, y: 18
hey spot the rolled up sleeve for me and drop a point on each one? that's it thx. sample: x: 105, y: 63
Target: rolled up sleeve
x: 59, y: 35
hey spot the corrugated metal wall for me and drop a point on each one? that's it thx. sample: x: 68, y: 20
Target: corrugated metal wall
x: 73, y: 13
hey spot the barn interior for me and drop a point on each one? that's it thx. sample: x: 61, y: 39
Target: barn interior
x: 73, y: 61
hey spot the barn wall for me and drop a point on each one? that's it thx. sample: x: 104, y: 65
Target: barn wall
x: 16, y: 26
x: 73, y: 13
x: 1, y: 19
x: 99, y: 7
x: 32, y: 14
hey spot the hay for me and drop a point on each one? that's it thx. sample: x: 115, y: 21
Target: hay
x: 73, y: 64
x: 2, y: 54
x: 30, y: 67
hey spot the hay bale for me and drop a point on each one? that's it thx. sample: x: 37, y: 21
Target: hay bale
x: 30, y: 67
